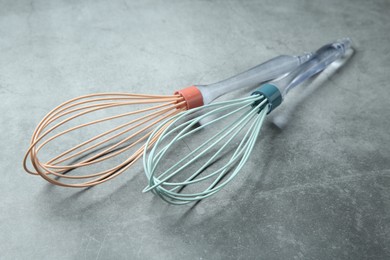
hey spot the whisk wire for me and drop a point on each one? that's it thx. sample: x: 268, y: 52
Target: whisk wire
x: 142, y: 120
x: 220, y: 107
x: 158, y: 182
x: 179, y: 198
x: 184, y: 132
x: 210, y: 143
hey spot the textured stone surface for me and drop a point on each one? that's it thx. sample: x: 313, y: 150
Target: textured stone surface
x: 318, y: 189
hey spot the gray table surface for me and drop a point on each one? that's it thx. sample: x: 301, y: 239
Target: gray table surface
x: 322, y: 191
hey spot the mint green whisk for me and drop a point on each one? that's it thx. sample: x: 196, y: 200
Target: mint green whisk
x: 181, y: 177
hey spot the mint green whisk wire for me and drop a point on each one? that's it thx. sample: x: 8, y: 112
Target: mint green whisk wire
x: 227, y: 130
x: 249, y: 138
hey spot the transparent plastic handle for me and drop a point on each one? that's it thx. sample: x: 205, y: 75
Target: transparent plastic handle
x: 266, y: 71
x: 318, y: 62
x: 282, y: 118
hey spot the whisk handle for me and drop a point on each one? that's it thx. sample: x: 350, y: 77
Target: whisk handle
x: 318, y: 62
x: 275, y: 90
x: 266, y: 71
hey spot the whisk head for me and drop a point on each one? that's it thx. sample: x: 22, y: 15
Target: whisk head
x: 91, y: 139
x: 181, y: 174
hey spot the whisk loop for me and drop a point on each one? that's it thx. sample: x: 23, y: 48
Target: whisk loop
x: 248, y: 122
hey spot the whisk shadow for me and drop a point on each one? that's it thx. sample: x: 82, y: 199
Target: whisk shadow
x: 257, y: 178
x: 231, y: 207
x: 210, y: 165
x: 80, y: 158
x: 74, y: 203
x: 79, y: 202
x: 191, y: 211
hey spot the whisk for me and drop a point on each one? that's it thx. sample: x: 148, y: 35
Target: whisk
x: 181, y: 177
x: 91, y: 139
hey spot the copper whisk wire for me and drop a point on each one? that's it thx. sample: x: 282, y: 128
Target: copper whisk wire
x: 56, y: 171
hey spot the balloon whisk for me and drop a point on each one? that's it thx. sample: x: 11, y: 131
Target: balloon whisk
x: 84, y: 117
x: 195, y: 157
